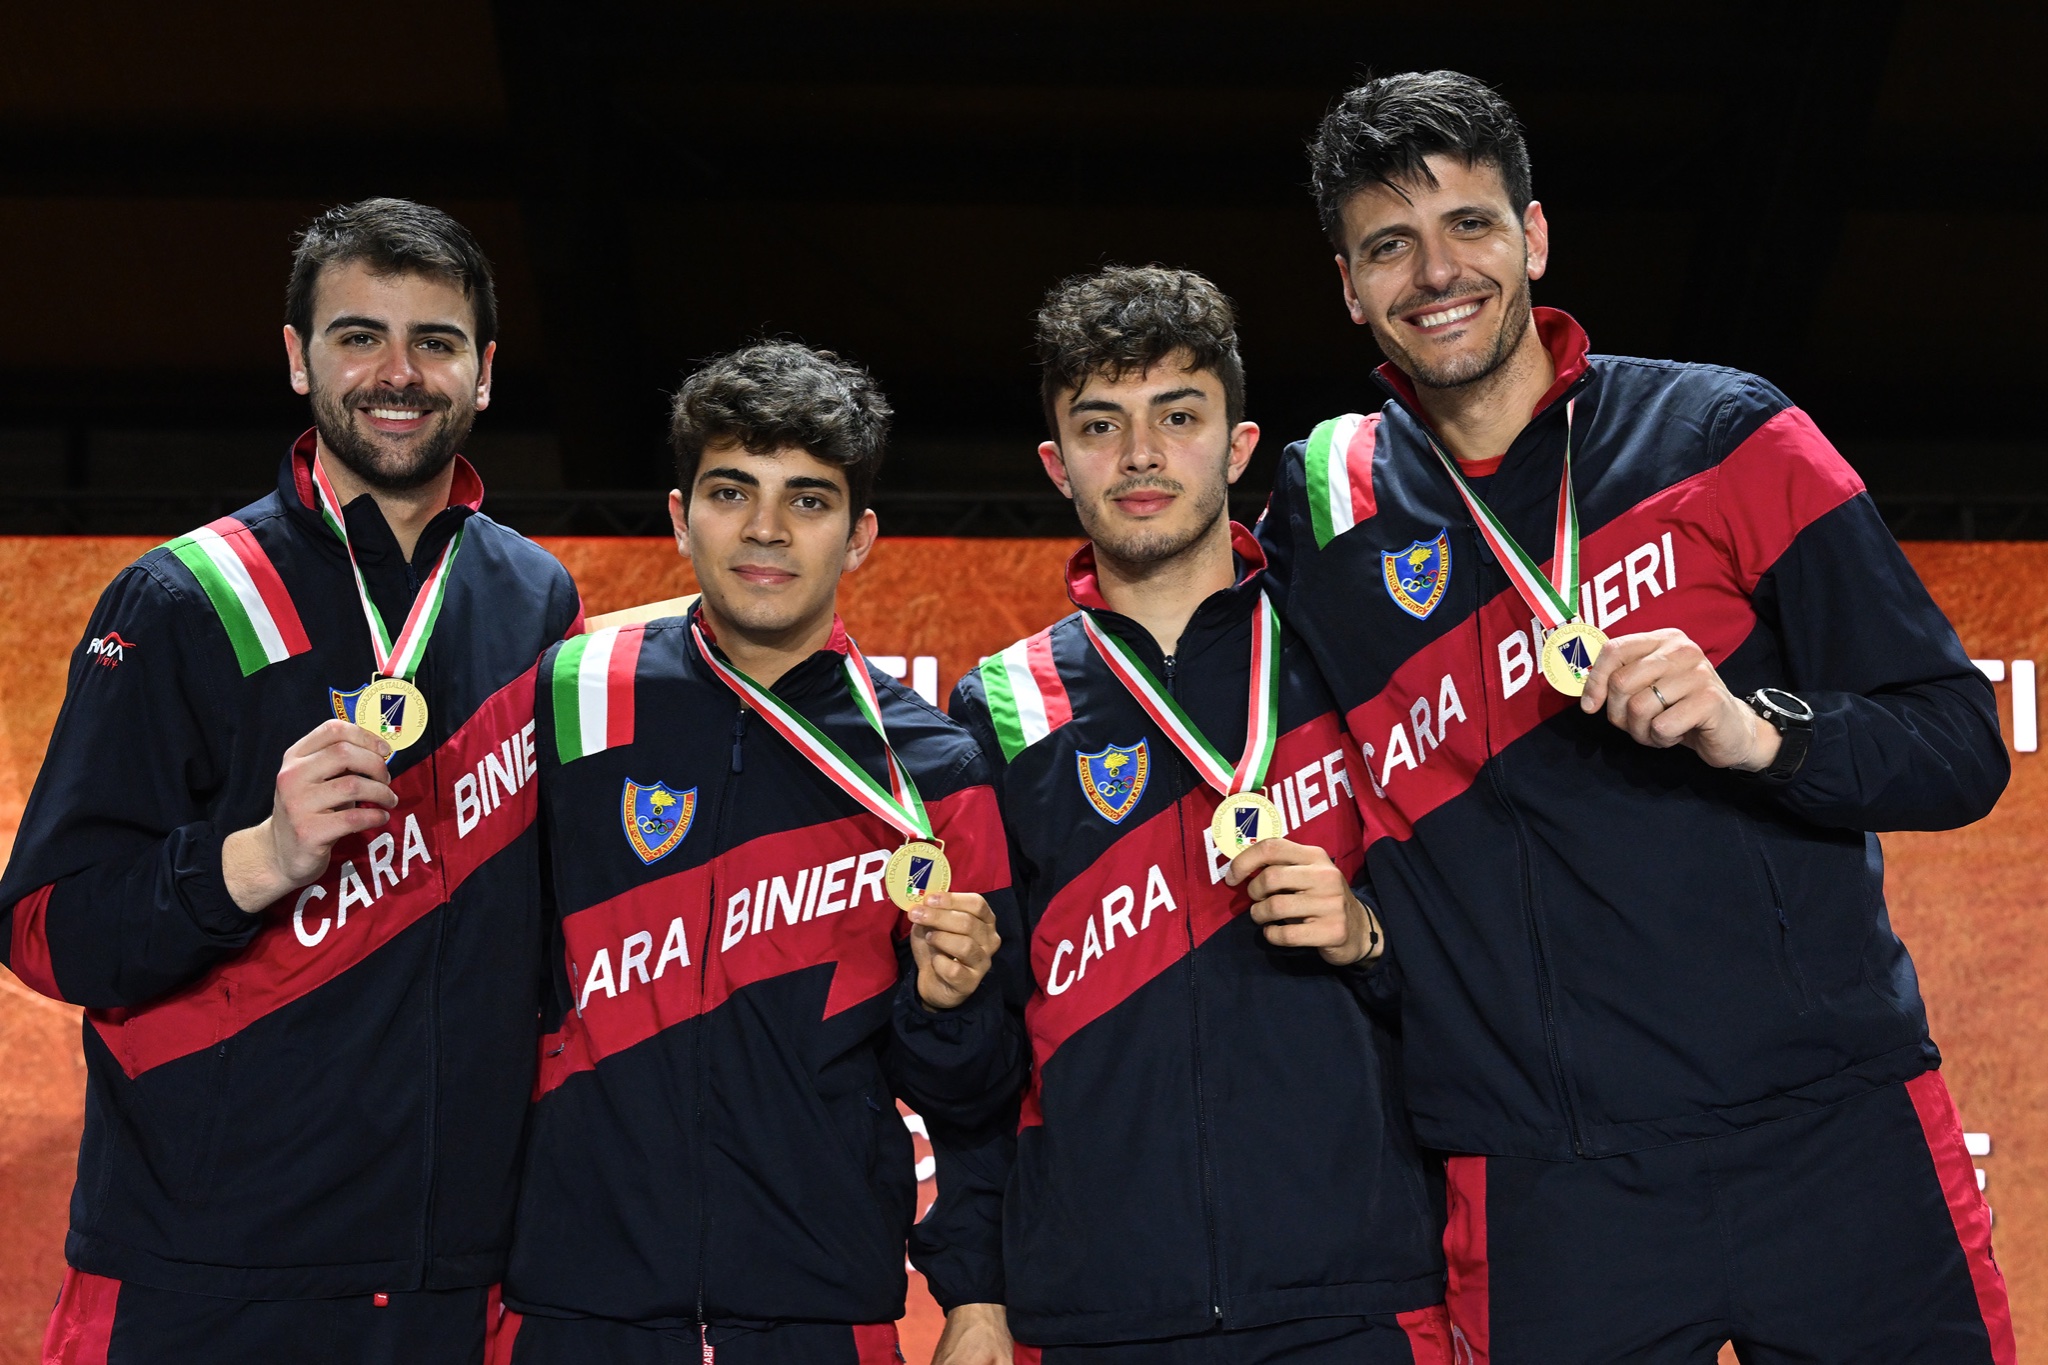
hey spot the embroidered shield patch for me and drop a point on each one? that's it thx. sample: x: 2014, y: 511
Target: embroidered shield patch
x: 1417, y: 576
x: 656, y: 818
x: 344, y: 703
x: 1114, y: 778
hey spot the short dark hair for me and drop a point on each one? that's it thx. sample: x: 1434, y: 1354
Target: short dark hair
x: 1125, y: 319
x: 779, y: 394
x: 1382, y: 132
x: 392, y: 237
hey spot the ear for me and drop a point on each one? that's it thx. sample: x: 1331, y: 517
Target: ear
x: 866, y: 527
x: 1055, y: 467
x: 1244, y: 439
x: 1536, y: 234
x: 295, y: 361
x: 483, y: 377
x: 1351, y: 302
x: 679, y: 519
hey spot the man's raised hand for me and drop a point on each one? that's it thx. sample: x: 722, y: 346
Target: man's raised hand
x: 1660, y: 687
x: 1302, y: 899
x: 953, y: 940
x: 333, y: 783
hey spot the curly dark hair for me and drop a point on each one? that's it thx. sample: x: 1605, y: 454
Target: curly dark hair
x: 392, y: 237
x: 774, y: 395
x: 1381, y: 132
x: 1125, y: 319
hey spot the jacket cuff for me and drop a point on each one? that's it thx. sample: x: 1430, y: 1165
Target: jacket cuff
x: 935, y: 1033
x: 201, y: 886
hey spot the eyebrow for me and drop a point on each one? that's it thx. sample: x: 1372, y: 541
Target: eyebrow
x: 1176, y: 395
x: 741, y: 476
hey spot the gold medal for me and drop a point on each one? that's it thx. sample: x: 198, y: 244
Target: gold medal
x: 1568, y: 655
x: 1241, y: 821
x: 916, y: 870
x: 393, y: 710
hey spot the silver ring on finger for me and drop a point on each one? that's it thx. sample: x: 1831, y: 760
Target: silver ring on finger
x: 1661, y: 700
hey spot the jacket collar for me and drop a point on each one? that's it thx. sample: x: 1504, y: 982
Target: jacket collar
x: 1215, y: 616
x: 1560, y: 334
x: 295, y: 489
x: 809, y: 676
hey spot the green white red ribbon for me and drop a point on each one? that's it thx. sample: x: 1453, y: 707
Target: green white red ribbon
x: 400, y: 657
x: 898, y: 804
x: 1262, y: 709
x: 1554, y: 599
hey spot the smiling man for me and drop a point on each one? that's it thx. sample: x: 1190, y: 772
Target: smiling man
x: 281, y: 850
x: 779, y: 877
x: 1213, y: 1165
x: 1637, y: 672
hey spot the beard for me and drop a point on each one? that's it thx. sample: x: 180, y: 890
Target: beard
x: 392, y: 468
x: 1469, y: 368
x: 1146, y: 546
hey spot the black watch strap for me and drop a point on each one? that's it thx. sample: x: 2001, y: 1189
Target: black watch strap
x: 1792, y: 718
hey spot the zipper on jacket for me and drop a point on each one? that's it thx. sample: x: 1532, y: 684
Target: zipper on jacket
x: 1195, y: 1038
x: 725, y: 805
x: 1545, y: 990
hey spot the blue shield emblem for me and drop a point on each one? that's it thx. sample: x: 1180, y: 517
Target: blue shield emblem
x: 1576, y: 654
x: 344, y: 703
x: 1417, y: 576
x: 391, y: 705
x: 1114, y: 778
x: 1247, y: 820
x: 656, y: 818
x: 920, y: 875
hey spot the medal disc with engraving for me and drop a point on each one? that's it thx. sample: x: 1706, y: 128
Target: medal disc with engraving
x: 916, y: 870
x: 1241, y: 821
x: 1568, y: 656
x: 393, y: 710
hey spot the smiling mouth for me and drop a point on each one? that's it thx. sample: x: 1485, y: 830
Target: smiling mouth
x: 1446, y: 317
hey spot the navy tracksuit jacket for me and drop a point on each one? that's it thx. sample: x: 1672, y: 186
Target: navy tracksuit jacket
x: 715, y: 1138
x: 325, y: 1098
x: 1607, y: 947
x: 1212, y: 1136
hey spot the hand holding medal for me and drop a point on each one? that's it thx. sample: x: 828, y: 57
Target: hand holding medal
x: 1570, y: 645
x: 1244, y: 817
x: 389, y: 706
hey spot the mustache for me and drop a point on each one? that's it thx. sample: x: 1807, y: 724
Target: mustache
x: 1458, y: 291
x: 416, y: 398
x: 1144, y: 481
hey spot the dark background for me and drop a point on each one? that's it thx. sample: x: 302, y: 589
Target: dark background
x: 1849, y: 198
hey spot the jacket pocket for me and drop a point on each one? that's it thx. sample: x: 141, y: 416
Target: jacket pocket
x: 1789, y: 973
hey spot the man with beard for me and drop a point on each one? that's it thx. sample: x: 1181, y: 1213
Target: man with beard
x: 1212, y: 1165
x: 1636, y: 670
x: 281, y: 849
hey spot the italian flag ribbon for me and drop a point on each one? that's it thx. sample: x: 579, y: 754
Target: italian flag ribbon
x: 1262, y: 709
x: 898, y: 804
x: 400, y: 657
x: 1554, y: 599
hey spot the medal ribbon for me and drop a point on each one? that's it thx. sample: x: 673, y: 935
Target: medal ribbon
x: 899, y: 804
x: 1262, y: 710
x: 1555, y: 599
x: 399, y: 658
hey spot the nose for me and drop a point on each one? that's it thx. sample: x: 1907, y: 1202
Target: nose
x: 765, y: 524
x: 1143, y: 455
x: 1435, y: 269
x: 397, y: 369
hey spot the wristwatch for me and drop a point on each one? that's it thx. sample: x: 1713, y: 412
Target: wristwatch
x: 1792, y: 718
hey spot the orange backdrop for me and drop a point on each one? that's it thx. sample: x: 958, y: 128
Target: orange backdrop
x: 1969, y: 903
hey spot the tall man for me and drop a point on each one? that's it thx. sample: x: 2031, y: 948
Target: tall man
x: 1636, y: 670
x: 750, y: 834
x: 306, y: 945
x: 1212, y: 1165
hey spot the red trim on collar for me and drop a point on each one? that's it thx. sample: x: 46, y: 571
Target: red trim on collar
x: 1084, y: 588
x: 1560, y: 334
x: 836, y: 642
x: 465, y: 489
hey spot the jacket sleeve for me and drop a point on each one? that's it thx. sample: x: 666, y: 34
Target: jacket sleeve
x: 1905, y: 726
x: 114, y: 895
x: 963, y: 1064
x: 958, y: 1245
